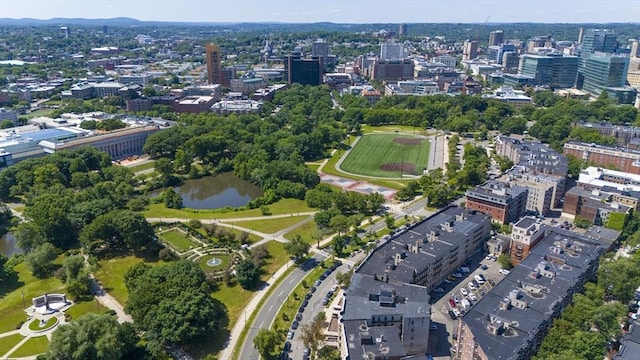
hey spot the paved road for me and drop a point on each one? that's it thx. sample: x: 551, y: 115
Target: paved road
x: 270, y: 308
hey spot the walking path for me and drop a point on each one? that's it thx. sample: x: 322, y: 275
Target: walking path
x: 105, y: 298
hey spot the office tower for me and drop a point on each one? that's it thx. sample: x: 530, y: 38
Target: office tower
x: 303, y: 71
x: 603, y: 71
x: 214, y: 69
x: 635, y: 49
x: 495, y: 53
x: 496, y: 38
x: 65, y: 31
x: 470, y: 50
x: 402, y: 30
x: 510, y: 62
x: 320, y: 48
x: 556, y: 71
x: 599, y: 40
x: 389, y: 51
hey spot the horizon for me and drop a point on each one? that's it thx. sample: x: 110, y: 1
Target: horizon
x: 333, y: 11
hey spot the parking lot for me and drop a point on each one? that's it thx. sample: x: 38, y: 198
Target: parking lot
x: 442, y: 339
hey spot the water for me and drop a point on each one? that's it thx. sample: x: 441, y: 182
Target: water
x: 8, y: 245
x: 214, y: 192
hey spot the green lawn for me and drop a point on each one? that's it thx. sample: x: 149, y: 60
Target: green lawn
x: 235, y: 298
x: 11, y: 292
x: 35, y: 324
x: 284, y: 206
x: 373, y: 151
x: 33, y: 346
x: 111, y: 275
x: 41, y: 112
x: 270, y: 226
x: 145, y: 166
x: 313, y: 167
x: 178, y: 240
x: 223, y: 265
x: 305, y: 231
x: 278, y: 257
x: 80, y: 308
x: 8, y: 342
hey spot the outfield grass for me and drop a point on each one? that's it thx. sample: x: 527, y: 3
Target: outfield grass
x: 375, y: 150
x: 8, y: 342
x: 11, y: 292
x: 33, y: 346
x: 367, y: 129
x: 270, y: 226
x: 178, y: 240
x: 284, y: 206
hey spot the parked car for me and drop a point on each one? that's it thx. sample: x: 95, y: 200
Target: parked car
x: 479, y: 279
x: 452, y: 315
x: 456, y: 298
x: 325, y: 301
x: 504, y: 271
x: 457, y: 312
x: 447, y: 281
x: 493, y: 283
x: 334, y: 287
x: 457, y: 275
x: 329, y: 295
x: 287, y: 346
x: 312, y: 289
x: 476, y: 283
x: 299, y: 316
x: 488, y: 257
x: 295, y: 324
x: 290, y: 335
x: 307, y: 296
x: 481, y: 276
x: 473, y: 297
x: 471, y: 286
x: 484, y: 267
x: 317, y: 283
x: 464, y: 292
x: 452, y: 302
x: 305, y: 303
x: 438, y: 290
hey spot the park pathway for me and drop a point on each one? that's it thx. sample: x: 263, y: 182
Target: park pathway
x: 105, y: 298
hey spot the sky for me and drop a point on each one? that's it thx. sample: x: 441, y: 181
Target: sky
x: 338, y: 11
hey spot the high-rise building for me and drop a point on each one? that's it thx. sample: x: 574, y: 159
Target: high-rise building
x: 392, y: 70
x: 390, y: 51
x: 496, y: 37
x: 214, y: 68
x: 635, y: 49
x: 600, y: 40
x: 303, y: 71
x: 470, y: 50
x: 555, y: 71
x: 580, y: 36
x: 65, y: 31
x: 602, y: 71
x: 402, y: 30
x: 320, y: 48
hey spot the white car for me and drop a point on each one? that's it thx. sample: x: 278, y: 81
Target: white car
x: 471, y: 286
x: 464, y: 292
x: 472, y: 297
x: 504, y: 271
x: 479, y: 279
x: 457, y: 312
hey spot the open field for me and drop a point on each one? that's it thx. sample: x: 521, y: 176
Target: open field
x: 388, y: 155
x: 178, y: 240
x: 38, y: 113
x: 305, y: 231
x: 367, y: 129
x: 284, y: 206
x: 146, y: 166
x: 111, y: 275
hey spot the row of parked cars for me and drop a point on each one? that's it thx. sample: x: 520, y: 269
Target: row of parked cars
x: 468, y: 297
x: 298, y: 318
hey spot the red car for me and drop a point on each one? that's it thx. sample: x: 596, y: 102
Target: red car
x: 452, y: 302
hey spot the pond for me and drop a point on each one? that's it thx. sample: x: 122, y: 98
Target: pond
x: 8, y: 245
x: 214, y: 192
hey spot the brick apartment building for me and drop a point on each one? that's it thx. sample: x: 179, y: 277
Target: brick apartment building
x: 504, y: 202
x: 622, y: 159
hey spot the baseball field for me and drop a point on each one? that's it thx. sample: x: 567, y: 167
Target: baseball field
x: 387, y: 156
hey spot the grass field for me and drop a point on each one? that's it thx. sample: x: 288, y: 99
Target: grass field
x: 384, y: 155
x: 305, y: 231
x: 111, y: 275
x: 178, y: 240
x: 223, y: 258
x: 284, y: 206
x: 8, y: 342
x: 270, y: 226
x: 33, y: 346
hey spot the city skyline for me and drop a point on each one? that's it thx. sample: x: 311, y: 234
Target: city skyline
x: 345, y: 11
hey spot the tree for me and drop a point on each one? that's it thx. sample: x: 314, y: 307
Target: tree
x: 313, y: 334
x: 297, y: 247
x: 344, y: 278
x: 172, y: 303
x: 28, y: 236
x: 117, y: 230
x: 165, y: 168
x: 93, y: 336
x: 248, y: 274
x: 40, y: 260
x: 505, y: 261
x: 267, y: 343
x: 337, y: 244
x: 390, y: 222
x: 72, y: 266
x: 329, y: 353
x: 172, y: 199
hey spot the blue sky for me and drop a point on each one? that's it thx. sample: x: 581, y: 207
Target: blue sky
x: 343, y: 11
